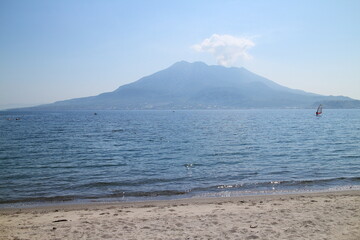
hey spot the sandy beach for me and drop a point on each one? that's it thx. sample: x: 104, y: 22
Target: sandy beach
x: 331, y: 215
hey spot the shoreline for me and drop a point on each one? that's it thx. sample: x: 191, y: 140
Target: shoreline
x: 214, y: 195
x: 314, y: 215
x: 79, y: 204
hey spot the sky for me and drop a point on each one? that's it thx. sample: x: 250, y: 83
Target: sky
x: 58, y: 50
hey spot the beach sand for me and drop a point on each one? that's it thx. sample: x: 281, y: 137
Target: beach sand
x: 332, y: 215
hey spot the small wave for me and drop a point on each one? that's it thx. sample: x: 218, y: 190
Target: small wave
x: 134, y: 183
x: 352, y: 156
x: 227, y: 154
x: 279, y: 172
x: 192, y: 165
x: 118, y: 130
x: 147, y: 194
x: 72, y: 167
x: 277, y: 184
x: 312, y: 182
x: 188, y: 165
x: 41, y: 199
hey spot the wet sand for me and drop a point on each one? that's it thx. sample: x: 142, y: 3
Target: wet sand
x: 332, y: 215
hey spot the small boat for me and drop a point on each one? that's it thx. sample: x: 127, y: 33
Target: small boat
x: 319, y: 110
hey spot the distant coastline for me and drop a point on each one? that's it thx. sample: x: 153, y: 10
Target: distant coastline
x: 196, y: 85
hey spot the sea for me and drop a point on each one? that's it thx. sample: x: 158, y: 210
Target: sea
x: 85, y: 156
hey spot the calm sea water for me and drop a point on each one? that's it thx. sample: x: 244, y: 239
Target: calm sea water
x: 135, y: 155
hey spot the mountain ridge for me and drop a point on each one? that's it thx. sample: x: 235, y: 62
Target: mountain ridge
x: 197, y: 85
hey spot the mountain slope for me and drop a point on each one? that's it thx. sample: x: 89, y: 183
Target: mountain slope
x: 199, y: 86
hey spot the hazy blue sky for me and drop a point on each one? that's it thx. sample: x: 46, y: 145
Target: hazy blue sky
x: 56, y: 50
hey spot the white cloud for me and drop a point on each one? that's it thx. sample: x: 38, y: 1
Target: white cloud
x: 226, y: 48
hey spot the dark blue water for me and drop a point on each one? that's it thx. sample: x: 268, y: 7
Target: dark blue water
x: 130, y: 155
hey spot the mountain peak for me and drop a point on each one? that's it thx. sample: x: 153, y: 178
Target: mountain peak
x: 188, y: 64
x: 199, y: 64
